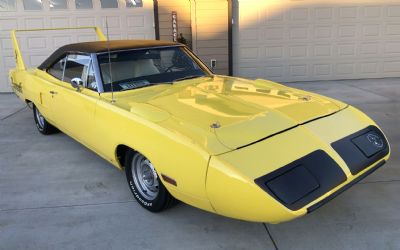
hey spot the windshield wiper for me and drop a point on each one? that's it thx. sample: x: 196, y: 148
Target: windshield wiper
x: 188, y: 77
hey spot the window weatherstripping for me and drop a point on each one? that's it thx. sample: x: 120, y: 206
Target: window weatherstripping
x: 58, y: 4
x: 134, y: 3
x: 33, y: 4
x: 109, y: 4
x: 7, y: 5
x: 83, y: 4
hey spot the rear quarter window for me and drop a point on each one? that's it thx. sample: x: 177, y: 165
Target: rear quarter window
x: 57, y: 69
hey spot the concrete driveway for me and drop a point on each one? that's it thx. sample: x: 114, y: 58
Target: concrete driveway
x: 56, y: 194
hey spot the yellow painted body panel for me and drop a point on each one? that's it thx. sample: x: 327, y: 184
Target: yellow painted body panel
x: 172, y: 126
x: 238, y: 169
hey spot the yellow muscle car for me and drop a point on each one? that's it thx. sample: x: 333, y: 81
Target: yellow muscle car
x: 253, y: 150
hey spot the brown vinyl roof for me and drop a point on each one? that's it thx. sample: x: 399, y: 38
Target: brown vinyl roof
x: 103, y: 46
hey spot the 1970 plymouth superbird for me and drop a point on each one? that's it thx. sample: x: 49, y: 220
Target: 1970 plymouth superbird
x: 253, y: 150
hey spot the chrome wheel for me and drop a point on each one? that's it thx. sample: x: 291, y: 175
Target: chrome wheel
x: 145, y: 177
x: 40, y: 119
x: 41, y: 123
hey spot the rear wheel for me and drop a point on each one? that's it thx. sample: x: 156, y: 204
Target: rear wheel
x: 42, y: 125
x: 145, y: 184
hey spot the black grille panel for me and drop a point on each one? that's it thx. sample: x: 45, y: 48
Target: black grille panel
x: 362, y: 149
x: 304, y: 180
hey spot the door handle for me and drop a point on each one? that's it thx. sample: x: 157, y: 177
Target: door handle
x: 53, y: 92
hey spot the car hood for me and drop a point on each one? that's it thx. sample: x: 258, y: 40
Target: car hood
x: 232, y: 112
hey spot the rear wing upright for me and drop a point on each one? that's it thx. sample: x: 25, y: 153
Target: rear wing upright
x: 20, y: 64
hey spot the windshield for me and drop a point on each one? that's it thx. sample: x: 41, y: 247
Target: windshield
x: 133, y: 69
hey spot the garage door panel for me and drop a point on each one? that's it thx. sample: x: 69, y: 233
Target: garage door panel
x: 137, y: 36
x: 85, y: 21
x: 372, y: 11
x: 6, y: 45
x: 392, y: 30
x: 34, y: 23
x: 391, y: 67
x: 35, y: 43
x: 135, y: 21
x: 323, y: 32
x: 319, y: 70
x: 275, y: 71
x: 59, y: 22
x: 274, y: 52
x: 123, y: 22
x: 8, y: 61
x: 114, y: 22
x: 316, y: 40
x: 322, y: 70
x: 370, y: 68
x: 59, y: 41
x: 393, y: 10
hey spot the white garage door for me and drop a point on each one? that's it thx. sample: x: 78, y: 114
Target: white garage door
x: 287, y: 40
x: 127, y: 19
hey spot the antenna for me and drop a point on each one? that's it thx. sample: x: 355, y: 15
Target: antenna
x: 109, y: 63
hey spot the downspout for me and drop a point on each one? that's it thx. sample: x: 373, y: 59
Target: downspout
x: 230, y: 38
x: 193, y: 24
x: 156, y: 20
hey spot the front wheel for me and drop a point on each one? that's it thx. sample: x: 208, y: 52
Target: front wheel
x: 42, y: 125
x: 145, y: 184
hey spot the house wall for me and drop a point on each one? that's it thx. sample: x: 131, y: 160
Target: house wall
x: 183, y: 9
x: 211, y: 33
x: 204, y: 23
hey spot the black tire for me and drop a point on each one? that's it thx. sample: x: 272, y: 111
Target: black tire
x: 157, y: 199
x: 42, y: 124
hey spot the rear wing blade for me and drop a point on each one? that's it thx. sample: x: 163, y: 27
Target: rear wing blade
x: 17, y: 52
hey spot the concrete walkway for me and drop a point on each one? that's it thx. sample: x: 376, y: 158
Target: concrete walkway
x: 56, y: 194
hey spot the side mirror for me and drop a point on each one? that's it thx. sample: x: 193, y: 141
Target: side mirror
x: 76, y: 83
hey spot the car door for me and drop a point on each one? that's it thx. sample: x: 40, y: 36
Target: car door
x: 45, y: 88
x: 74, y: 107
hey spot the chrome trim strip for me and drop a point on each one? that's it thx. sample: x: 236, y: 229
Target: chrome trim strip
x: 99, y: 80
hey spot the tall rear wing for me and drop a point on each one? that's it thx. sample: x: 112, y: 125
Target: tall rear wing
x: 17, y: 52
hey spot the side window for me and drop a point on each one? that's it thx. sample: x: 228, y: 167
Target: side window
x: 57, y: 69
x: 32, y: 5
x: 83, y: 4
x: 58, y: 4
x: 75, y: 67
x: 80, y: 66
x: 8, y: 5
x: 133, y: 3
x: 105, y: 4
